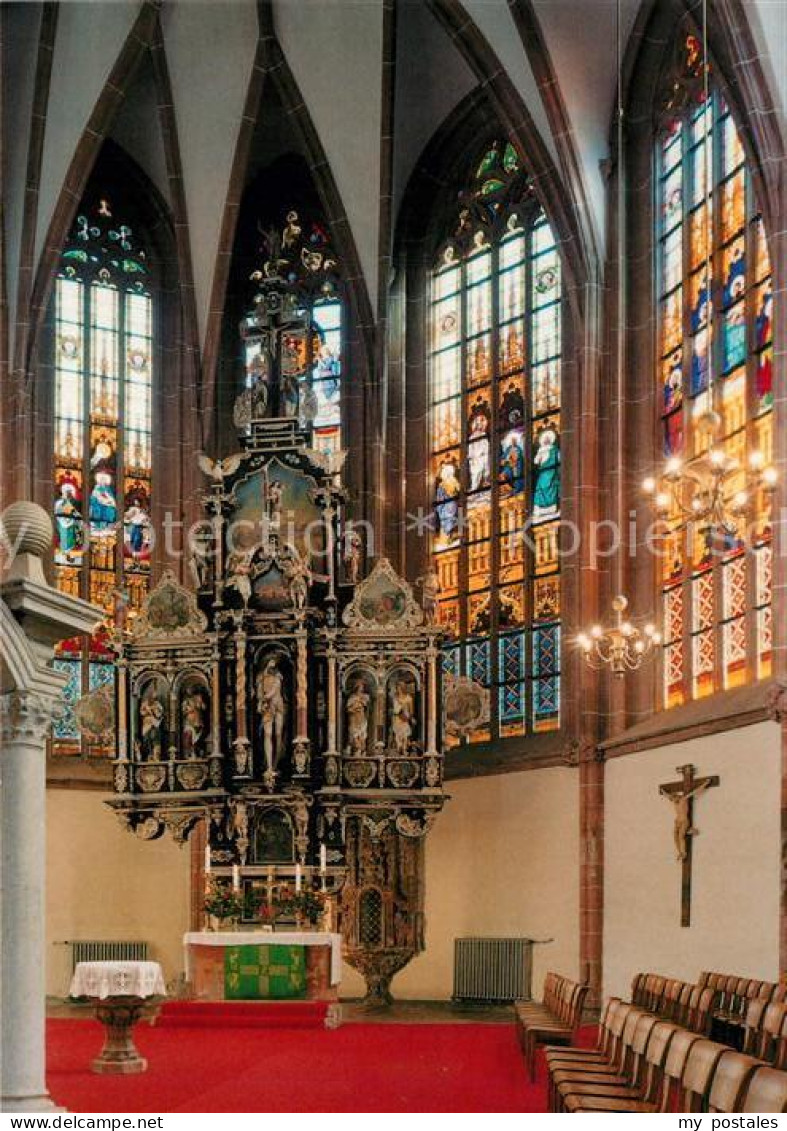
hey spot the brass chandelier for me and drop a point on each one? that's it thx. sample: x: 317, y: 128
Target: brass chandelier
x: 622, y: 647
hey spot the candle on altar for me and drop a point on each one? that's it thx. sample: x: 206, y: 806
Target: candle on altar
x: 298, y: 879
x: 207, y: 859
x: 235, y: 877
x: 323, y: 859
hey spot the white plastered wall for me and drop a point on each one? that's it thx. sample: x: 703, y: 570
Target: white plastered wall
x: 736, y: 861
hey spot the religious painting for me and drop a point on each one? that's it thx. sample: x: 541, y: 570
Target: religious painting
x: 273, y: 838
x: 382, y: 601
x: 102, y: 506
x: 478, y: 450
x: 446, y: 506
x: 277, y: 497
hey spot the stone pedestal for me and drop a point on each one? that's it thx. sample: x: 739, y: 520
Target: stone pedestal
x: 119, y: 1055
x: 33, y: 617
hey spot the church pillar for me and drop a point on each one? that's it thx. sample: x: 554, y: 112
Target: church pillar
x: 24, y: 723
x: 33, y: 618
x: 591, y: 870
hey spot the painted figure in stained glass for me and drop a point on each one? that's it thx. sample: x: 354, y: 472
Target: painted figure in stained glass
x: 735, y: 282
x: 699, y: 327
x: 546, y: 489
x: 136, y: 523
x: 512, y: 461
x: 512, y: 407
x: 763, y: 333
x: 447, y: 491
x: 478, y: 462
x: 68, y: 521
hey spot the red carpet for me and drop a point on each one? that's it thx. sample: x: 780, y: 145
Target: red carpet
x: 242, y: 1014
x: 367, y: 1068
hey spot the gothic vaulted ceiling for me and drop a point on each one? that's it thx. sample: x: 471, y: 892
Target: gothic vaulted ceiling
x: 377, y: 79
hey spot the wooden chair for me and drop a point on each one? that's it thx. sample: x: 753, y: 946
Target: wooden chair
x: 772, y: 1034
x: 556, y: 1026
x: 629, y: 1080
x: 696, y: 1078
x: 664, y: 1081
x: 730, y: 1080
x: 699, y: 1011
x: 752, y: 1027
x: 767, y: 1092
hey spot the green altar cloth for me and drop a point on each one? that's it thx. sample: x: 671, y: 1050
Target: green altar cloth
x: 253, y: 973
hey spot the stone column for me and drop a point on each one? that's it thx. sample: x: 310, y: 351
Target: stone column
x: 25, y: 718
x: 33, y: 617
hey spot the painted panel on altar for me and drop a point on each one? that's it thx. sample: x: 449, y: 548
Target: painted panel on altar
x: 279, y: 496
x: 261, y: 976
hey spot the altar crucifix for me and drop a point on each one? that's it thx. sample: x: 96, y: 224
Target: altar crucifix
x: 682, y: 794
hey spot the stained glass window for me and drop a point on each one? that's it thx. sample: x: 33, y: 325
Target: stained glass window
x: 103, y: 364
x: 494, y: 353
x: 716, y: 606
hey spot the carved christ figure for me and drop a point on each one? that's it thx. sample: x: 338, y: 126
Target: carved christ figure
x: 358, y: 719
x: 402, y: 714
x: 272, y: 704
x: 430, y: 593
x: 683, y: 828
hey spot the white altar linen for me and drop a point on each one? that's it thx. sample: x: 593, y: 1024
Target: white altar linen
x: 118, y: 979
x: 268, y: 938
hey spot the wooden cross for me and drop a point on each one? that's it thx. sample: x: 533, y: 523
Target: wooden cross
x: 682, y: 794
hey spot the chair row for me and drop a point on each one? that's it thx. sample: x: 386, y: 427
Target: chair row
x: 555, y: 1019
x: 642, y: 1063
x: 765, y: 1032
x: 690, y: 1006
x: 733, y: 996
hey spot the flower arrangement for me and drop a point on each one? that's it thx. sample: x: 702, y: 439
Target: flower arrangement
x: 307, y: 904
x: 223, y: 902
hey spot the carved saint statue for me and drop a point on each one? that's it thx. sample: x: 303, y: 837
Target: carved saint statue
x: 272, y: 705
x: 353, y: 548
x: 358, y: 719
x: 298, y: 577
x: 402, y: 715
x: 683, y: 828
x: 273, y: 496
x: 239, y: 574
x: 194, y: 709
x: 151, y: 719
x: 430, y: 594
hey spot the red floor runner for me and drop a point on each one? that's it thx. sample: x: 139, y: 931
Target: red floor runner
x: 386, y: 1068
x: 242, y: 1014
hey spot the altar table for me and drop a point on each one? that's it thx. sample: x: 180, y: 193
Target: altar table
x: 121, y: 991
x: 263, y: 965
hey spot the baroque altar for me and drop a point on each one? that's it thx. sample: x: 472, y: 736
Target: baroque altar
x: 287, y: 703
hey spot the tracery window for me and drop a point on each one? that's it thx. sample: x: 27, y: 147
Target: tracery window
x: 716, y: 606
x: 103, y: 374
x: 495, y: 336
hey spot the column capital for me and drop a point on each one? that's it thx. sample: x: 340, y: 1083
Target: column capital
x: 25, y: 716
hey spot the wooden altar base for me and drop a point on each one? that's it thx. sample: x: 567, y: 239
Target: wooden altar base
x: 248, y: 1015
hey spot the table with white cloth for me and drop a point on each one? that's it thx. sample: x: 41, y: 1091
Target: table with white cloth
x: 263, y: 965
x: 122, y: 991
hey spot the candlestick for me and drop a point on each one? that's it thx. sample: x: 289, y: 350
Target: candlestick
x: 298, y: 879
x: 207, y: 859
x: 235, y: 877
x: 323, y: 859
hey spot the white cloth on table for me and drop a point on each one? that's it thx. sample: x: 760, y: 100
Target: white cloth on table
x: 118, y: 979
x: 268, y: 938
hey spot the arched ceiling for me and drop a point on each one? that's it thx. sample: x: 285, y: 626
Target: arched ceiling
x: 335, y: 50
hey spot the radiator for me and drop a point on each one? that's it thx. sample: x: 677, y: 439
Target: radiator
x: 101, y: 950
x: 492, y: 969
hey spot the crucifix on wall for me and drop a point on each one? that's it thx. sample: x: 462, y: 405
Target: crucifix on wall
x: 682, y: 795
